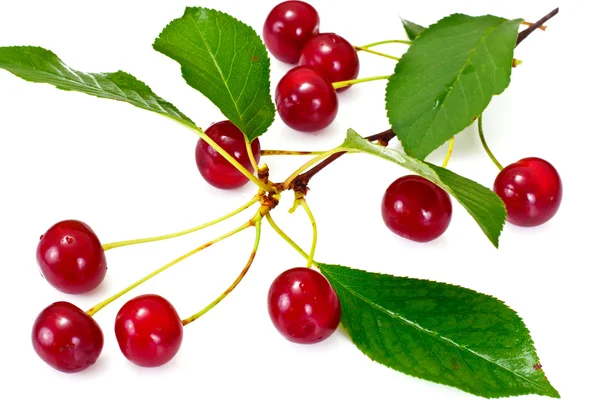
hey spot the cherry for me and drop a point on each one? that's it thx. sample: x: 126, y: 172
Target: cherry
x: 306, y: 100
x: 531, y: 189
x: 71, y: 257
x: 333, y: 56
x: 288, y: 27
x: 213, y: 167
x: 66, y: 338
x: 303, y: 306
x: 148, y: 330
x: 416, y: 208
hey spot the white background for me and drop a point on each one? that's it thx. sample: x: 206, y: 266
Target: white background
x: 130, y: 173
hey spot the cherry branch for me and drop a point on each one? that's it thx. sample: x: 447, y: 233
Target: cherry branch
x: 523, y: 35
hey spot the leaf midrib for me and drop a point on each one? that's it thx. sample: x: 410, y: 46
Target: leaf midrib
x: 467, y: 61
x: 421, y: 329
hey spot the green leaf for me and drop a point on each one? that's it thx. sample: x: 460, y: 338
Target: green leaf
x: 227, y: 62
x: 35, y: 64
x: 447, y: 78
x: 439, y: 332
x: 412, y: 30
x: 484, y: 205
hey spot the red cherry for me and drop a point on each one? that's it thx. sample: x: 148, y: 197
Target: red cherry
x: 416, y: 209
x: 303, y: 306
x: 288, y: 27
x: 71, y: 257
x: 306, y: 100
x: 333, y: 56
x: 66, y: 338
x: 213, y: 167
x: 531, y: 190
x: 149, y: 330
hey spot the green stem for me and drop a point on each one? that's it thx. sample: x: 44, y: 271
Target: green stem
x: 257, y: 225
x: 377, y: 53
x: 313, y: 223
x: 114, y: 245
x: 408, y: 42
x: 309, y: 164
x: 289, y: 240
x: 485, y: 146
x: 341, y: 84
x: 106, y: 302
x: 289, y: 153
x: 251, y: 154
x: 448, y: 153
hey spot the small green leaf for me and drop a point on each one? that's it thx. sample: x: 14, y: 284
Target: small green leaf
x: 439, y: 332
x: 227, y: 62
x: 412, y: 30
x: 35, y: 64
x: 447, y: 78
x: 484, y: 205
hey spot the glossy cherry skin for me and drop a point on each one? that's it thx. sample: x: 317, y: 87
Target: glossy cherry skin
x: 149, y: 331
x: 416, y: 209
x: 213, y: 167
x: 306, y: 100
x: 288, y: 27
x: 303, y: 306
x: 71, y: 258
x: 333, y: 56
x: 531, y: 190
x: 66, y: 338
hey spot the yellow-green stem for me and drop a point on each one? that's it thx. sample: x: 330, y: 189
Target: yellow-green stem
x: 408, y: 42
x: 309, y: 164
x: 115, y: 245
x: 484, y: 143
x: 106, y: 302
x: 341, y: 84
x: 289, y: 153
x: 313, y: 223
x: 251, y: 154
x: 257, y: 225
x: 289, y: 240
x: 377, y: 53
x: 448, y: 153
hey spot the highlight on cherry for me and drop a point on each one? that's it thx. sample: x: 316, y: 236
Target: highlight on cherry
x: 409, y: 325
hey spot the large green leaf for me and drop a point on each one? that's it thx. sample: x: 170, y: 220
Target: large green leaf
x: 439, y: 332
x: 226, y: 61
x: 36, y: 64
x: 412, y: 30
x: 484, y: 205
x: 447, y: 78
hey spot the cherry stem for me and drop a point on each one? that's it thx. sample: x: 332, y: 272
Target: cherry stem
x: 115, y: 245
x: 448, y: 153
x: 366, y: 46
x: 310, y: 163
x: 382, y: 137
x: 341, y: 84
x: 367, y: 50
x: 300, y: 200
x: 257, y: 225
x: 250, y: 154
x: 106, y: 302
x: 485, y: 146
x: 533, y: 27
x: 289, y: 240
x: 543, y: 27
x: 290, y: 153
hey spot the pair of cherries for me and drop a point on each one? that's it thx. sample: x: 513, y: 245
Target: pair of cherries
x: 305, y: 98
x: 419, y: 210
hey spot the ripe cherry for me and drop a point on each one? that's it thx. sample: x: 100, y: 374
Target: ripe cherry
x: 303, y: 306
x: 306, y: 100
x: 288, y: 27
x: 148, y: 330
x: 66, y: 338
x: 71, y: 257
x: 213, y: 167
x: 333, y: 56
x: 531, y: 189
x: 416, y: 209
